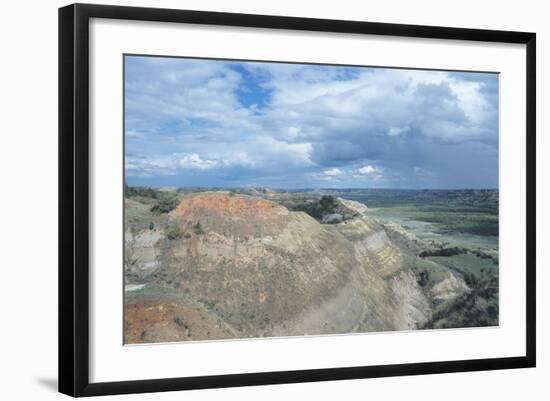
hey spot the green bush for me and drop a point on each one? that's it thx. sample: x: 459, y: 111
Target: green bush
x: 443, y: 252
x: 197, y: 229
x: 161, y: 201
x: 317, y: 209
x: 476, y: 308
x: 423, y: 278
x: 144, y: 192
x: 327, y: 203
x: 167, y: 201
x: 173, y: 231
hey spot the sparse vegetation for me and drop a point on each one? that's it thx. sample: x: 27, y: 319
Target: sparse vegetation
x: 173, y: 231
x: 317, y: 209
x: 197, y: 229
x: 443, y: 252
x: 423, y: 278
x: 427, y: 273
x: 477, y: 308
x: 166, y: 202
x: 160, y: 201
x: 209, y: 303
x: 466, y: 263
x: 233, y: 283
x: 479, y: 223
x: 140, y: 192
x: 462, y: 214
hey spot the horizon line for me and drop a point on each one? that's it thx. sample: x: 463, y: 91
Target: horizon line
x: 315, y: 188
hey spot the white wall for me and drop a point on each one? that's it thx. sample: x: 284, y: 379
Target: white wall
x: 28, y: 226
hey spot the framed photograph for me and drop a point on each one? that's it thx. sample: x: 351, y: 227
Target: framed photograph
x: 251, y: 199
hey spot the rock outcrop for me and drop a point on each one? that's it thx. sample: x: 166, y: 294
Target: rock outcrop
x: 244, y: 266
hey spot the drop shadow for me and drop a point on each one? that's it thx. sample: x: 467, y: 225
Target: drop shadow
x: 49, y: 383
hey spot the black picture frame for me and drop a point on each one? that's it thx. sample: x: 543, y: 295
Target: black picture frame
x: 74, y: 198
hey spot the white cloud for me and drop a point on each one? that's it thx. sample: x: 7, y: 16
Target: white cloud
x: 292, y: 133
x: 189, y: 115
x: 241, y: 159
x: 368, y: 169
x: 194, y: 162
x: 149, y: 167
x: 333, y: 172
x: 472, y: 102
x: 396, y: 131
x: 275, y: 153
x: 184, y: 90
x: 375, y: 101
x: 134, y: 134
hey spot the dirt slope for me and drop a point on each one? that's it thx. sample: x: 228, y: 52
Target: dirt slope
x: 248, y: 267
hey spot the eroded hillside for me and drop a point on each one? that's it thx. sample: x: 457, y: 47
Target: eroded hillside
x: 226, y: 265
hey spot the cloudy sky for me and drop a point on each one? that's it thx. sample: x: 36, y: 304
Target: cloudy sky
x: 191, y: 122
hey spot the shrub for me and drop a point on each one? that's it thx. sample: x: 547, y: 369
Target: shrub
x: 180, y: 322
x: 209, y: 303
x: 144, y: 192
x: 197, y: 229
x: 327, y: 203
x: 443, y: 252
x: 317, y: 209
x: 173, y: 231
x: 476, y: 308
x: 423, y: 278
x: 166, y: 202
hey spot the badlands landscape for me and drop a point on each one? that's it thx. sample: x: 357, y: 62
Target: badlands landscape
x: 211, y: 264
